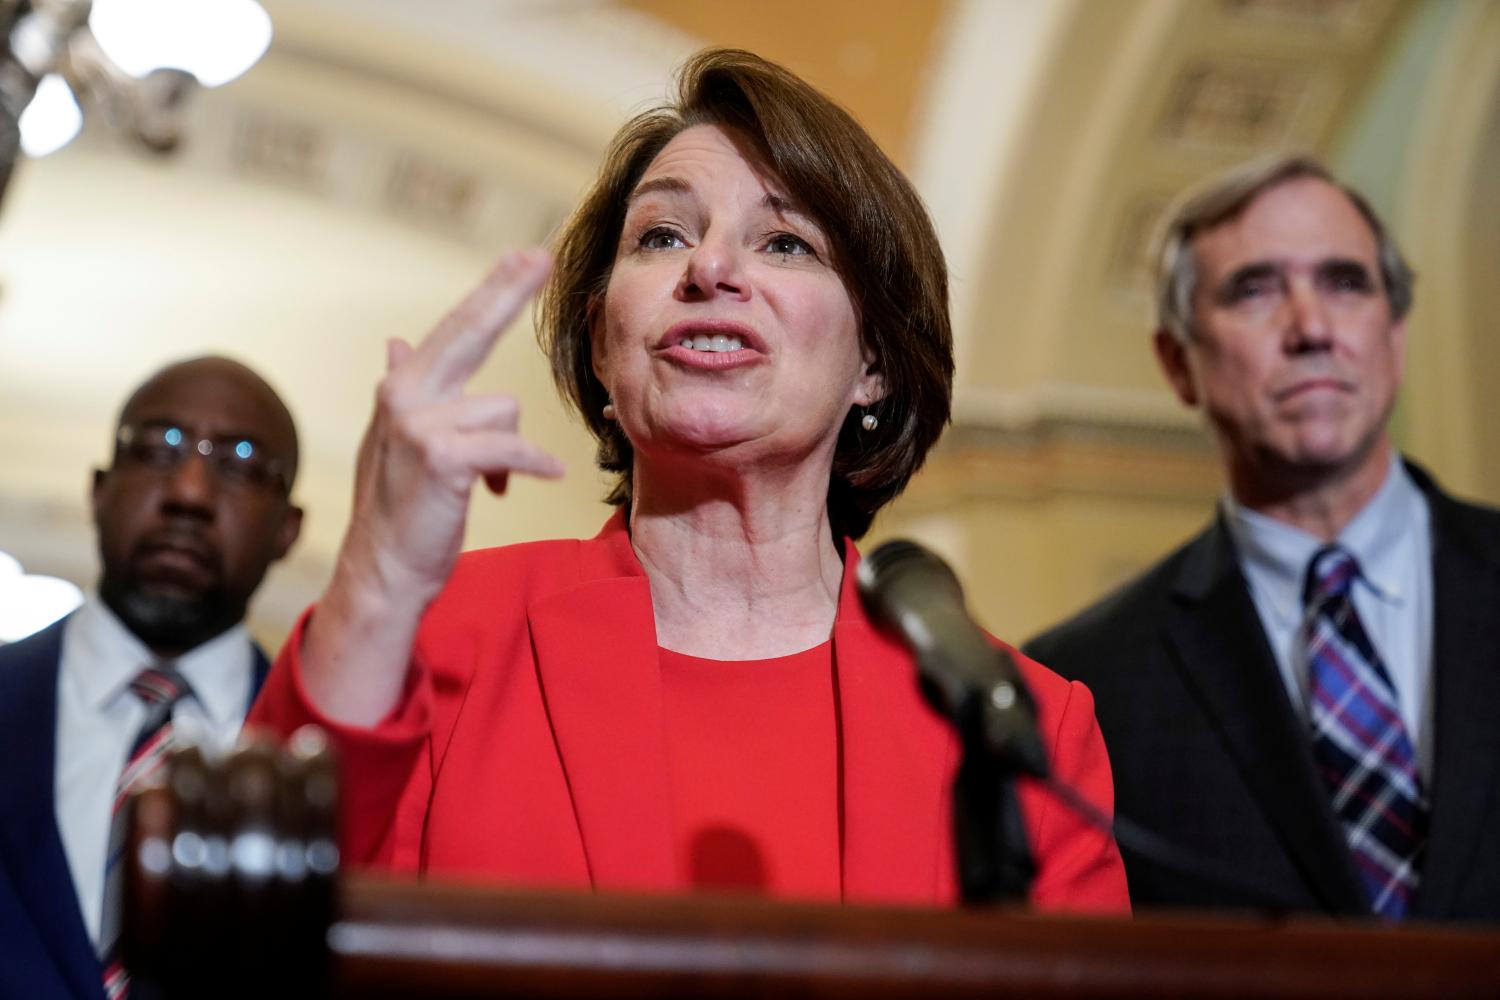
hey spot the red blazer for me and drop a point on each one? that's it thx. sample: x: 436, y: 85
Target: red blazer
x: 529, y: 748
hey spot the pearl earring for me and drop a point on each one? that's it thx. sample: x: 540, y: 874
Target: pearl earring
x: 609, y: 411
x: 869, y: 422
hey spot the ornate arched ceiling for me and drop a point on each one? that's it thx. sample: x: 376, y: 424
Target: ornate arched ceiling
x: 1140, y: 99
x: 874, y: 56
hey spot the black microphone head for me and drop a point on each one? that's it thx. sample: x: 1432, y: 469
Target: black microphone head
x: 913, y: 593
x: 898, y: 570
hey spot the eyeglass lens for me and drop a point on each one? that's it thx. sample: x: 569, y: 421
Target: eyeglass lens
x: 165, y: 446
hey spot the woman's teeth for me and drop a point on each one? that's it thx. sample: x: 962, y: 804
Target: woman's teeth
x: 718, y: 343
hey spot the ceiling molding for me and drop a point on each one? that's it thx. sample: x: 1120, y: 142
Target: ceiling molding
x: 1084, y: 406
x: 969, y: 468
x: 587, y: 62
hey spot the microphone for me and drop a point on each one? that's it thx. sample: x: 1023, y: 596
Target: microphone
x: 913, y: 593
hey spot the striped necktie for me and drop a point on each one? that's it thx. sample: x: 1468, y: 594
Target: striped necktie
x: 159, y: 688
x: 1361, y: 745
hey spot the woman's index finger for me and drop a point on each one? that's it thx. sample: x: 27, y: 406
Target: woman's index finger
x: 460, y: 343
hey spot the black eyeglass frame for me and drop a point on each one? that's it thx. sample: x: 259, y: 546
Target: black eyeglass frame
x: 222, y: 454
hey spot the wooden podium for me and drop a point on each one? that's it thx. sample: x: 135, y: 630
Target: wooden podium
x: 233, y: 891
x: 424, y: 940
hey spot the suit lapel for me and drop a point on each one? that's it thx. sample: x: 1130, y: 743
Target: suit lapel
x: 260, y: 666
x: 597, y: 663
x: 1466, y: 686
x: 30, y: 845
x: 1222, y: 654
x: 897, y: 765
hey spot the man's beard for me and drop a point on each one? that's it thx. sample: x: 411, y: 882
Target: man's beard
x: 170, y: 620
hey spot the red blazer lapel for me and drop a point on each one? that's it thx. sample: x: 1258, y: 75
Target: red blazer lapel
x: 899, y: 759
x: 596, y: 660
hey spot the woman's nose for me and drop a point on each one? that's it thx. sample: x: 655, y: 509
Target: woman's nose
x: 714, y: 267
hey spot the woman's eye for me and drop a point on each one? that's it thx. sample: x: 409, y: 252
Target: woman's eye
x: 661, y: 238
x: 789, y: 245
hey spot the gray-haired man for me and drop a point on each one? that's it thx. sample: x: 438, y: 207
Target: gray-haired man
x: 1306, y: 691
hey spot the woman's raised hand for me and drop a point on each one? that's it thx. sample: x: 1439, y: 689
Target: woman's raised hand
x: 428, y: 441
x: 426, y: 444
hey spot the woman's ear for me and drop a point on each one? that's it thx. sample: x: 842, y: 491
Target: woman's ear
x: 871, y: 385
x: 871, y: 388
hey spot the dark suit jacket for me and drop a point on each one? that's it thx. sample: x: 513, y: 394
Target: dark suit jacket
x: 44, y: 949
x: 1207, y: 750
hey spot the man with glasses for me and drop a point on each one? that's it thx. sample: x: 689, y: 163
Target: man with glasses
x: 193, y: 508
x: 1306, y: 693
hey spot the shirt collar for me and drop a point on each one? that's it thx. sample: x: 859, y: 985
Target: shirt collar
x: 1381, y: 534
x: 1278, y: 553
x: 110, y: 656
x: 1274, y: 556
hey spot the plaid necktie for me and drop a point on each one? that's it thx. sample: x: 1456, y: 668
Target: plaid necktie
x: 1361, y: 746
x: 159, y: 688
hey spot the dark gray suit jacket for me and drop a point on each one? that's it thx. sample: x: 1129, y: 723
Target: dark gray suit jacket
x: 1207, y: 751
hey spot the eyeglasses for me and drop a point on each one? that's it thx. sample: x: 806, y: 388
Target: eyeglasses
x: 235, y: 461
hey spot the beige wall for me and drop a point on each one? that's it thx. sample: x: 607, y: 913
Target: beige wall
x: 1027, y: 562
x: 1037, y: 526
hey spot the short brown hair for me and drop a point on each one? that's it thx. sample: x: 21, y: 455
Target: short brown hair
x: 885, y: 248
x: 1222, y: 199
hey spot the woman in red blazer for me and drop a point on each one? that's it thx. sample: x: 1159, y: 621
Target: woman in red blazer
x: 749, y: 311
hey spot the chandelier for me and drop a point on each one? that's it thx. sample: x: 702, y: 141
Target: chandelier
x: 133, y: 62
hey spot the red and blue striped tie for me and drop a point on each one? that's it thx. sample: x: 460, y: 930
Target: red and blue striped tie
x: 159, y: 688
x: 1360, y: 743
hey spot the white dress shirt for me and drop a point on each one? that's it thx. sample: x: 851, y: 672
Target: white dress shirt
x: 98, y: 719
x: 1391, y: 538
